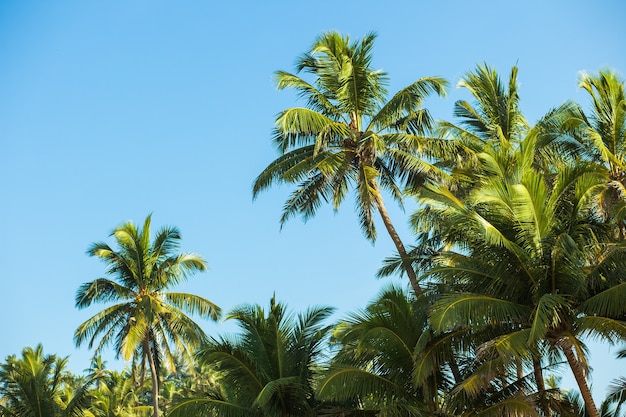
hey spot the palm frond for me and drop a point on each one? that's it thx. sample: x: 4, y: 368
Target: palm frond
x: 299, y: 126
x: 345, y: 382
x: 317, y: 100
x: 202, y: 406
x: 406, y: 102
x: 193, y: 304
x: 608, y: 303
x: 101, y: 290
x: 455, y: 310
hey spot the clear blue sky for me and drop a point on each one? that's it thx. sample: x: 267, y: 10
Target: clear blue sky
x: 111, y: 110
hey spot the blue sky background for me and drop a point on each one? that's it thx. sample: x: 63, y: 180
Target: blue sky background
x: 111, y: 110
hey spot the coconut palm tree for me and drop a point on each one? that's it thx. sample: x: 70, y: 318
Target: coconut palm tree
x: 268, y: 369
x: 603, y: 134
x: 490, y: 127
x: 39, y: 385
x: 146, y: 320
x: 481, y: 144
x: 375, y: 360
x: 350, y: 135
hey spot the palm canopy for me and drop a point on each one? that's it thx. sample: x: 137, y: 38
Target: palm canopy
x: 606, y: 127
x: 495, y: 116
x: 602, y: 135
x: 376, y: 354
x: 117, y: 397
x: 266, y: 370
x: 350, y: 135
x: 531, y: 253
x: 36, y: 385
x: 146, y: 318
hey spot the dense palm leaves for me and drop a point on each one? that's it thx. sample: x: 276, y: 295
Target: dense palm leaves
x: 519, y: 260
x: 526, y: 264
x: 532, y: 254
x: 117, y: 397
x: 603, y: 135
x: 494, y: 122
x: 376, y: 358
x: 350, y: 135
x: 37, y: 385
x: 268, y: 369
x: 147, y: 319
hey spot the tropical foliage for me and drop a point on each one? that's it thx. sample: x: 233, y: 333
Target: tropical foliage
x: 38, y: 385
x: 147, y: 319
x: 267, y: 370
x: 517, y: 263
x: 350, y: 134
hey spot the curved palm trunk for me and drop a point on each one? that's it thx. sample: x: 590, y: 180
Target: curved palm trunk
x: 406, y: 263
x: 579, y: 375
x: 155, y: 381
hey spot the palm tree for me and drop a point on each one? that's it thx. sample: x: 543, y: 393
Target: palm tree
x: 488, y: 128
x: 97, y: 370
x: 349, y: 134
x: 268, y: 369
x: 38, y: 385
x: 116, y: 397
x: 376, y: 358
x: 604, y: 135
x: 480, y: 145
x: 147, y: 319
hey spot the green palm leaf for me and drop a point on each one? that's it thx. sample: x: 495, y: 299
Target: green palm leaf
x: 455, y: 310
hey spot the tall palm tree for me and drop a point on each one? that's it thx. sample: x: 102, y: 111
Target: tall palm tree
x: 349, y: 134
x: 268, y: 369
x: 39, y: 385
x: 481, y: 144
x: 146, y: 320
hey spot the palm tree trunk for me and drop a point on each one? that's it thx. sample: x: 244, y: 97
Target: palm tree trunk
x: 579, y: 375
x: 454, y: 367
x: 155, y: 381
x: 406, y: 263
x: 541, y: 386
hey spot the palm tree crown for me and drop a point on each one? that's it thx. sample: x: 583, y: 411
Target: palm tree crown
x: 38, y: 385
x: 349, y: 135
x: 146, y: 318
x: 267, y: 370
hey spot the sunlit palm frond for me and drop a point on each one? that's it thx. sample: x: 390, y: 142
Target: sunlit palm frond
x: 316, y: 100
x: 193, y: 304
x: 399, y: 110
x: 300, y: 126
x: 367, y: 196
x: 455, y: 310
